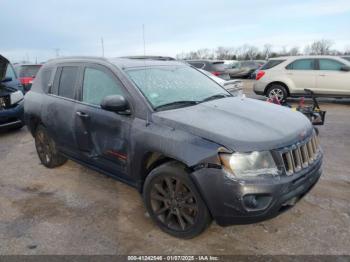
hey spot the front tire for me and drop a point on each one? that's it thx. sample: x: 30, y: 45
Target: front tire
x: 277, y: 91
x: 174, y: 203
x: 46, y: 149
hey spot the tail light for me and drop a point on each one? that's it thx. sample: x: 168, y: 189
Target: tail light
x: 215, y: 73
x: 259, y: 75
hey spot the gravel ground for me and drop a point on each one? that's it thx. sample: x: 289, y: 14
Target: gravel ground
x: 73, y: 210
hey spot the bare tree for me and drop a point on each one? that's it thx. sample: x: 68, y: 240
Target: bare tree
x: 294, y: 51
x: 347, y: 50
x: 252, y: 52
x: 321, y: 47
x: 224, y: 53
x: 205, y: 53
x: 307, y: 50
x: 266, y: 53
x: 249, y: 52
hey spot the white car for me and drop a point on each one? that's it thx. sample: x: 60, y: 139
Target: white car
x: 289, y: 76
x: 235, y: 87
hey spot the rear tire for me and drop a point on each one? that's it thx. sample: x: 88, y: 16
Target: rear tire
x: 46, y: 149
x: 278, y: 91
x: 174, y: 203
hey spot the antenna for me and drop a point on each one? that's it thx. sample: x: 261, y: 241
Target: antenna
x: 103, y: 47
x: 144, y: 61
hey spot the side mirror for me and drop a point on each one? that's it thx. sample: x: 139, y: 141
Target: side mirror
x: 116, y: 103
x: 345, y: 68
x: 6, y: 79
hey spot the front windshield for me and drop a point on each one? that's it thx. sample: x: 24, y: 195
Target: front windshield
x: 168, y: 84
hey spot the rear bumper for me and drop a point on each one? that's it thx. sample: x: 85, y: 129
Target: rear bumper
x: 227, y: 198
x: 12, y: 117
x: 259, y: 87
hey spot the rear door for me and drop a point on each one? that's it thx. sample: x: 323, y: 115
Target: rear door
x: 331, y: 80
x: 59, y: 112
x: 303, y: 74
x: 103, y: 136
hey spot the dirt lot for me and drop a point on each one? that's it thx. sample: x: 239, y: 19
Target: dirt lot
x: 73, y: 210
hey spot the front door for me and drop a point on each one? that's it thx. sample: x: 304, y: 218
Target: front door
x: 103, y: 136
x: 331, y: 80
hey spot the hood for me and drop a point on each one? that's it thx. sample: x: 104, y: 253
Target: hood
x: 3, y: 66
x: 239, y: 124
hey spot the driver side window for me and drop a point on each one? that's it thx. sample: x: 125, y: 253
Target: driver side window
x: 97, y: 85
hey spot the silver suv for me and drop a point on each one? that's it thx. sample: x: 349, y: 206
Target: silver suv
x: 289, y: 76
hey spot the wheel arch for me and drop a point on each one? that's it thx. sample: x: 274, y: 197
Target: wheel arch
x: 277, y: 83
x: 33, y: 124
x: 152, y: 160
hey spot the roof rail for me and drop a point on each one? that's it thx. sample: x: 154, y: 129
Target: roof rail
x: 150, y: 57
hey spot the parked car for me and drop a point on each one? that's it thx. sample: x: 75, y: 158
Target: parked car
x: 193, y: 151
x: 215, y: 67
x: 235, y: 87
x: 289, y: 76
x: 244, y: 69
x: 26, y: 74
x: 11, y: 97
x: 346, y: 58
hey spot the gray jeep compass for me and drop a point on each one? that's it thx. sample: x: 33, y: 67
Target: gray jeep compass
x: 193, y: 151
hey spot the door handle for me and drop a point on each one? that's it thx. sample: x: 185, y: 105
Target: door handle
x: 82, y: 114
x: 322, y: 75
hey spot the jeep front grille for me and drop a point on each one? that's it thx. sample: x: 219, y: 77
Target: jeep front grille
x: 300, y: 156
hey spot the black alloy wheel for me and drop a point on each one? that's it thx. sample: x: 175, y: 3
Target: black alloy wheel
x: 174, y: 202
x: 46, y: 149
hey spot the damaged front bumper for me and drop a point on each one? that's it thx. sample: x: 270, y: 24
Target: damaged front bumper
x: 12, y: 117
x: 234, y: 201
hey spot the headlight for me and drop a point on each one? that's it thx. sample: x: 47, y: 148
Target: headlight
x: 249, y: 164
x: 15, y: 97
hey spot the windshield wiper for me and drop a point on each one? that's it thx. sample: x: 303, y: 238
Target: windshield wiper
x: 177, y: 104
x: 213, y: 97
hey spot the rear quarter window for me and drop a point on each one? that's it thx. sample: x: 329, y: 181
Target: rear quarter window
x: 271, y: 64
x: 65, y: 81
x: 45, y: 79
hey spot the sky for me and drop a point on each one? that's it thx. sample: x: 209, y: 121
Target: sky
x: 38, y: 29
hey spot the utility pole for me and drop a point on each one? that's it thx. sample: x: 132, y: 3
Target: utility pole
x: 103, y: 47
x: 57, y: 52
x: 144, y: 40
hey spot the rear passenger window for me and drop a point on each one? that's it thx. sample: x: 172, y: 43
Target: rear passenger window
x: 330, y: 64
x: 97, y: 85
x: 68, y: 79
x: 302, y: 64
